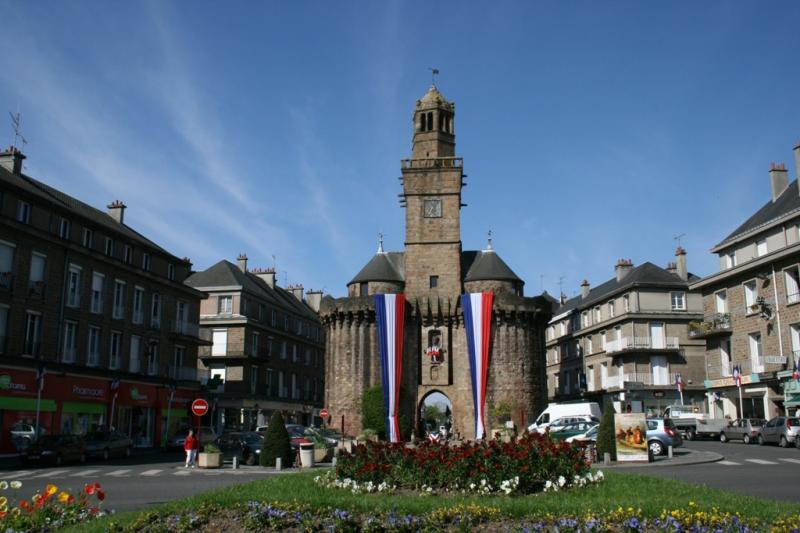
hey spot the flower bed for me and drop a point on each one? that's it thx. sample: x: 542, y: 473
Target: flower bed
x: 47, y: 510
x: 529, y: 464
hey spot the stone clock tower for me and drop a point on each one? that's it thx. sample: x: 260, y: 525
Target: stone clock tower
x: 432, y: 181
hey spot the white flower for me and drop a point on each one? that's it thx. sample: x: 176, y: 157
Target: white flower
x: 16, y: 484
x: 3, y: 485
x: 561, y: 481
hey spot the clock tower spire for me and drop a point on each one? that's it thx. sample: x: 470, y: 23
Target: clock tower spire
x: 432, y: 181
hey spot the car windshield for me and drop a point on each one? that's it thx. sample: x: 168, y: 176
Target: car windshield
x: 253, y: 439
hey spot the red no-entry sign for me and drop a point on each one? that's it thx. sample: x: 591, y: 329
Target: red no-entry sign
x: 323, y: 413
x: 199, y: 407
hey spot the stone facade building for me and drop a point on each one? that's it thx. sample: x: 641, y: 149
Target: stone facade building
x: 96, y: 305
x: 266, y: 346
x: 752, y: 308
x: 625, y: 340
x: 433, y: 271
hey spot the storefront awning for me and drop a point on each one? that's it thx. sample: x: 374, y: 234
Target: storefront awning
x: 26, y: 404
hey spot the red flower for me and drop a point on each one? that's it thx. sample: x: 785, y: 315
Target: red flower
x: 101, y: 495
x: 88, y: 489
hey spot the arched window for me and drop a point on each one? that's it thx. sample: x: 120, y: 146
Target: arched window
x: 429, y: 114
x: 441, y: 121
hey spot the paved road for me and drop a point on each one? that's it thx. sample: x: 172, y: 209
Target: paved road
x: 767, y: 472
x: 136, y: 483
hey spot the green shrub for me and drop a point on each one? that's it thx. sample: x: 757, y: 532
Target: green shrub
x: 372, y: 411
x: 211, y: 448
x: 276, y: 443
x: 606, y: 440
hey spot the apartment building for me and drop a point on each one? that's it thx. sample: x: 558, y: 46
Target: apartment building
x: 626, y: 341
x: 266, y: 349
x: 96, y: 308
x: 752, y: 308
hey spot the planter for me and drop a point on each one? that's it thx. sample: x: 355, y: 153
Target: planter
x: 322, y: 455
x: 307, y: 455
x: 209, y: 460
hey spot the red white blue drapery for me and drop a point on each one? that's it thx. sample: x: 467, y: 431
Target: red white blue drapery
x: 478, y: 323
x: 390, y: 314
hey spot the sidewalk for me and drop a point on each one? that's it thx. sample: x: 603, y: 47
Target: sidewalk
x: 10, y: 461
x: 680, y: 457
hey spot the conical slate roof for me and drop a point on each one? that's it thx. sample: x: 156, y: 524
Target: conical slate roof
x: 432, y: 98
x: 382, y: 267
x: 487, y: 265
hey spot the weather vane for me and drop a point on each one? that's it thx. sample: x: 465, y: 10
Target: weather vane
x: 380, y: 242
x: 489, y: 240
x: 15, y: 124
x: 434, y: 73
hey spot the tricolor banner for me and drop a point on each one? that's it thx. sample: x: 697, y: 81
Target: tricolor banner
x: 478, y: 323
x: 390, y: 314
x: 737, y: 376
x: 679, y: 382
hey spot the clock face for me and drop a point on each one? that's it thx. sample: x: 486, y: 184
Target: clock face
x: 433, y: 208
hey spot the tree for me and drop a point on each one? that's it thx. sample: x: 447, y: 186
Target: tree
x: 372, y: 411
x: 276, y: 443
x: 606, y: 439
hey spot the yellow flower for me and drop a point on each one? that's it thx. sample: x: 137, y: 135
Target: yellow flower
x: 3, y: 501
x: 51, y: 489
x: 16, y: 484
x: 15, y: 512
x: 3, y: 485
x: 63, y: 497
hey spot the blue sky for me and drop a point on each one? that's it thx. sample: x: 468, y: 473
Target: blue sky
x: 590, y: 131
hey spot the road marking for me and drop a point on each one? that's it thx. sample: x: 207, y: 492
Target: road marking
x: 761, y: 461
x: 52, y: 473
x: 181, y: 472
x: 788, y: 460
x: 15, y: 475
x: 118, y: 473
x: 151, y: 472
x: 728, y: 463
x: 85, y: 473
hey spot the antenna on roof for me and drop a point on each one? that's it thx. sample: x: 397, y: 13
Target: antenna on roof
x: 16, y: 121
x: 434, y: 73
x: 561, y: 284
x: 678, y: 238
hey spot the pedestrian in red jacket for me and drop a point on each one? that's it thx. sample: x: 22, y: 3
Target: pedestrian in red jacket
x: 190, y: 446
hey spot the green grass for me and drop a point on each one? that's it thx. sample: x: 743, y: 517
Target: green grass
x: 650, y: 494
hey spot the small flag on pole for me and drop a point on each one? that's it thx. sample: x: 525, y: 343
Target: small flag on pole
x: 40, y: 378
x: 796, y: 372
x: 679, y: 382
x: 114, y: 384
x: 737, y: 376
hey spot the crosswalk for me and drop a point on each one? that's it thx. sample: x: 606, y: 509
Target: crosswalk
x: 97, y: 473
x: 780, y: 460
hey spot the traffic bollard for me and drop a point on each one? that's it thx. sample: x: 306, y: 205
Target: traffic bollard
x: 669, y: 452
x: 235, y: 462
x: 278, y: 463
x: 607, y: 458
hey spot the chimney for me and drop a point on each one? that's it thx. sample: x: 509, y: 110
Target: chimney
x: 297, y: 291
x: 11, y: 159
x: 267, y: 275
x: 314, y: 299
x: 562, y: 299
x: 778, y: 179
x: 672, y: 268
x: 622, y: 268
x: 241, y: 262
x: 680, y: 254
x: 116, y: 210
x: 585, y: 289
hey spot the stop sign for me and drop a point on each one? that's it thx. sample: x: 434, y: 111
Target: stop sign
x: 323, y: 413
x: 199, y: 407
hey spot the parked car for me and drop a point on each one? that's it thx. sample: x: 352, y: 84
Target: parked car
x: 590, y: 436
x: 56, y: 449
x: 295, y: 430
x: 661, y: 434
x: 559, y: 423
x: 104, y: 444
x: 205, y: 434
x: 781, y: 430
x: 745, y: 429
x: 246, y: 445
x: 576, y: 428
x: 22, y: 435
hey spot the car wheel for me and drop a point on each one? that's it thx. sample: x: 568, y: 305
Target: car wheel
x: 746, y: 439
x: 690, y: 434
x: 106, y: 454
x: 128, y: 451
x: 783, y: 443
x: 761, y: 440
x: 723, y: 437
x: 656, y: 448
x: 250, y: 460
x: 59, y: 460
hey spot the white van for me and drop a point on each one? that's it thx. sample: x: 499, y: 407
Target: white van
x: 560, y: 410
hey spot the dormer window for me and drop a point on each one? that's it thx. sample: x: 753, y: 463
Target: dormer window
x: 63, y: 228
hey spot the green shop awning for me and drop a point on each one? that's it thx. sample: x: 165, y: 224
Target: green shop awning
x: 26, y: 404
x: 83, y: 407
x: 174, y: 413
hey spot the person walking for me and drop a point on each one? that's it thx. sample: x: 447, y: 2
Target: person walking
x: 190, y: 446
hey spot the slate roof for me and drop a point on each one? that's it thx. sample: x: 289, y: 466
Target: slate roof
x: 786, y: 203
x: 383, y: 267
x: 226, y: 274
x: 486, y: 265
x: 76, y: 207
x: 646, y: 274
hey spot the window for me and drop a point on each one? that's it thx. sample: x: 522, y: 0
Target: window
x: 219, y: 339
x: 295, y: 389
x: 155, y: 311
x: 286, y: 323
x: 283, y: 391
x: 750, y: 295
x: 255, y: 344
x: 74, y: 286
x: 363, y: 289
x: 596, y: 315
x: 93, y: 347
x: 729, y: 260
x: 138, y: 305
x: 659, y: 369
x: 298, y: 326
x: 603, y: 375
x: 114, y: 350
x: 611, y: 309
x: 88, y: 237
x: 725, y: 357
x: 225, y: 305
x: 434, y: 282
x: 294, y: 353
x: 792, y: 279
x: 33, y: 333
x: 6, y: 264
x: 63, y: 228
x: 177, y: 362
x: 262, y: 311
x: 128, y: 254
x: 145, y: 261
x: 283, y: 350
x: 171, y: 271
x: 307, y: 358
x: 761, y: 247
x: 678, y: 300
x: 119, y: 299
x: 182, y: 317
x: 135, y: 365
x: 23, y: 212
x: 152, y: 358
x: 589, y: 345
x: 109, y: 246
x: 37, y: 280
x: 307, y: 392
x: 755, y: 352
x: 253, y: 378
x: 98, y: 280
x: 721, y: 301
x: 585, y: 319
x: 270, y: 346
x: 626, y: 303
x: 268, y: 389
x: 563, y: 325
x: 3, y: 327
x: 274, y: 320
x: 68, y: 350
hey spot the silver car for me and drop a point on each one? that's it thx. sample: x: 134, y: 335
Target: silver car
x: 661, y: 434
x: 744, y: 429
x: 781, y: 430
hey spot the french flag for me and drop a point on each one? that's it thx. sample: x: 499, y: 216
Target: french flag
x: 478, y: 323
x: 737, y: 376
x: 679, y: 382
x: 390, y: 314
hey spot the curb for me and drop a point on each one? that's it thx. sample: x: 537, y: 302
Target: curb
x: 686, y: 457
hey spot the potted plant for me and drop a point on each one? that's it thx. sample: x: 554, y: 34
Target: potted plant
x: 322, y: 447
x: 210, y: 457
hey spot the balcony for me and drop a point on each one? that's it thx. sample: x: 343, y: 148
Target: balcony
x: 717, y: 324
x: 6, y: 280
x: 641, y: 343
x: 640, y: 378
x: 432, y: 162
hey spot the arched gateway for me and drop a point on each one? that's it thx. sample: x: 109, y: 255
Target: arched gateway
x: 433, y: 272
